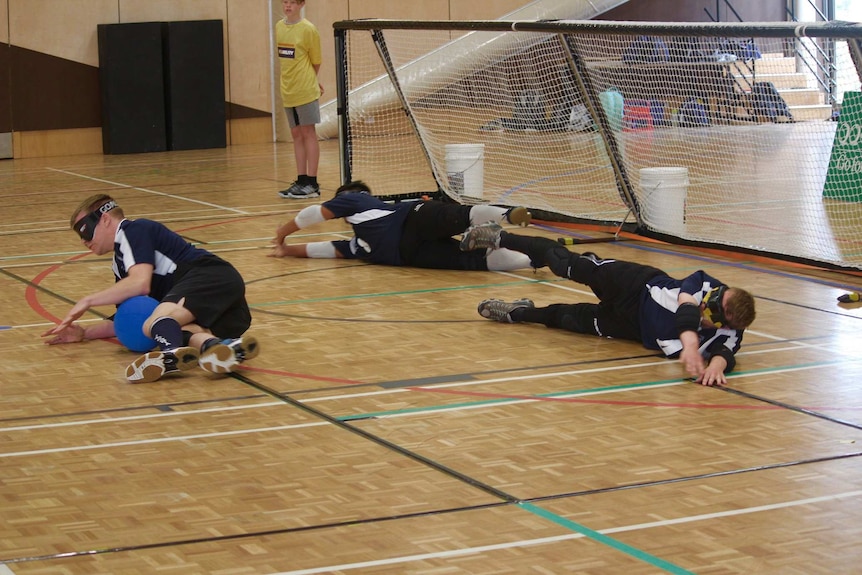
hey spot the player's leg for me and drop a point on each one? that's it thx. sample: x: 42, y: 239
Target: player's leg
x: 518, y: 216
x: 585, y: 318
x: 165, y: 326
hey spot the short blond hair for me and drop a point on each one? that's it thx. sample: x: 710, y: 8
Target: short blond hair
x: 94, y: 203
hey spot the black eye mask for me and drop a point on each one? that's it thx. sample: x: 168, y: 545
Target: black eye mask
x: 714, y: 310
x: 86, y: 226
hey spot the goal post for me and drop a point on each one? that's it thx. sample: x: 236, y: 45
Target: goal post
x: 724, y: 134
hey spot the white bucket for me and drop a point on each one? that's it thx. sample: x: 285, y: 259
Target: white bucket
x: 465, y: 166
x: 663, y: 195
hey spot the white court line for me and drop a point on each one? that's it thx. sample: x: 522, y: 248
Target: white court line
x: 140, y: 417
x: 436, y: 555
x: 743, y: 511
x: 547, y: 540
x: 498, y: 380
x: 67, y: 172
x: 571, y: 373
x: 477, y: 405
x: 163, y: 439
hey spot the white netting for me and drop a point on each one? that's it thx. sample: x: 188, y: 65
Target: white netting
x: 575, y: 124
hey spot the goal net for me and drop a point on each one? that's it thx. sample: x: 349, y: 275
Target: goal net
x: 722, y: 134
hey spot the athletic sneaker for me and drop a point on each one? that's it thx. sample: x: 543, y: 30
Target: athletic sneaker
x: 304, y: 191
x: 498, y: 310
x: 293, y: 188
x: 519, y: 216
x: 153, y: 365
x: 485, y: 235
x: 226, y: 355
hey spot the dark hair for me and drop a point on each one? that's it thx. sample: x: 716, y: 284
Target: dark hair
x: 353, y: 187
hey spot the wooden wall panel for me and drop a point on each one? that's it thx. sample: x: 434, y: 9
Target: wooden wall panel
x: 483, y: 9
x: 4, y: 21
x: 63, y: 29
x: 67, y: 31
x: 172, y: 10
x: 248, y: 61
x: 46, y: 143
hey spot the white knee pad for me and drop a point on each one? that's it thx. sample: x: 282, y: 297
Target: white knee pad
x: 482, y: 214
x: 322, y: 250
x: 308, y: 216
x: 504, y: 260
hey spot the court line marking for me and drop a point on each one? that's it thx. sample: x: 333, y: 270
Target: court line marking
x: 625, y: 387
x: 149, y: 191
x: 140, y: 417
x: 162, y: 439
x: 348, y: 418
x: 581, y: 532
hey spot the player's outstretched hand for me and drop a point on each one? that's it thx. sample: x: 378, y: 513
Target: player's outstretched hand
x: 712, y: 375
x: 72, y: 333
x: 279, y: 250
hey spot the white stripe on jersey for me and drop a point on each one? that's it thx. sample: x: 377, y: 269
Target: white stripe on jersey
x: 367, y: 216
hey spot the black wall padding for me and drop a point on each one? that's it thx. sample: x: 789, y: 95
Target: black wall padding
x: 132, y: 88
x: 194, y: 84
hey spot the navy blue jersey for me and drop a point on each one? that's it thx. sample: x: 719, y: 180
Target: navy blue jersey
x: 658, y: 310
x: 148, y: 242
x: 376, y: 225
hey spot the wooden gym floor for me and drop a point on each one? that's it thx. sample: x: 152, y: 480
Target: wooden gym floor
x: 387, y: 428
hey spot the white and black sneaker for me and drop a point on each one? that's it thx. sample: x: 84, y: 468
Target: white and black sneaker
x: 481, y: 236
x: 291, y: 189
x: 153, y: 365
x: 303, y: 191
x: 499, y: 310
x: 226, y: 355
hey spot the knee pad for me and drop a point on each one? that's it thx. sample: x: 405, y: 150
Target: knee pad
x: 559, y: 260
x: 320, y: 250
x: 579, y: 317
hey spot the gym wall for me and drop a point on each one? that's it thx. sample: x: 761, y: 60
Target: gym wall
x: 49, y: 60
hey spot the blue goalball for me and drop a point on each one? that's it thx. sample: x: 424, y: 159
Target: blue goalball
x: 129, y: 320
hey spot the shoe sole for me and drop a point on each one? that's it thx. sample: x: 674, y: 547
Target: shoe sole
x: 301, y: 196
x: 221, y: 358
x: 150, y: 367
x: 469, y: 242
x: 520, y: 303
x: 520, y: 216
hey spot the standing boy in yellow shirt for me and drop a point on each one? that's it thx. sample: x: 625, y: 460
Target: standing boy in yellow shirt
x: 298, y: 45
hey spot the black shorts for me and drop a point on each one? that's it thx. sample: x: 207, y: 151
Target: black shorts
x: 427, y: 242
x: 215, y: 294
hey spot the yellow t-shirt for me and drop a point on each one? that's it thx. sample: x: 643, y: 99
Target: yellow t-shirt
x: 298, y: 49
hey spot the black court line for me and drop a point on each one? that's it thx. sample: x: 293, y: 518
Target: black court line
x: 506, y: 499
x: 45, y: 290
x: 791, y: 407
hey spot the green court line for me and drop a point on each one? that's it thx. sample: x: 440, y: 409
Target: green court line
x: 538, y: 396
x: 605, y: 540
x: 502, y: 400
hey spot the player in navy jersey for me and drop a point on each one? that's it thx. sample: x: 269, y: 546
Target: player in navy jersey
x: 409, y: 233
x: 202, y: 315
x: 697, y: 319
